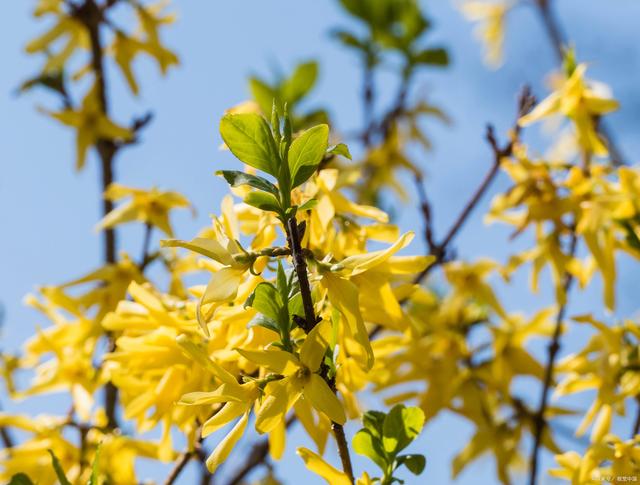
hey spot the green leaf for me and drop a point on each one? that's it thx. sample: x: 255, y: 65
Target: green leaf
x: 263, y: 321
x: 374, y: 421
x: 308, y: 205
x: 248, y: 136
x: 236, y: 178
x: 340, y: 149
x: 282, y: 282
x: 350, y: 40
x: 93, y: 479
x: 62, y: 478
x: 263, y: 94
x: 263, y: 200
x: 266, y: 300
x: 20, y: 479
x: 401, y: 426
x: 300, y: 83
x: 295, y: 306
x: 433, y: 57
x: 307, y: 151
x: 415, y: 463
x: 364, y: 443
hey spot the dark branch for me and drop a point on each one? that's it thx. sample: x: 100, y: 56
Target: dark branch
x: 294, y: 236
x: 540, y: 422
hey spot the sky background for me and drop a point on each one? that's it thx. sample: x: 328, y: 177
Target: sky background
x: 48, y: 211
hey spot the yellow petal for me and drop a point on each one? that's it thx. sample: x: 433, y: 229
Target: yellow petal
x: 277, y: 361
x: 227, y: 413
x: 281, y: 395
x: 543, y: 109
x: 207, y: 247
x: 315, y: 345
x: 199, y: 354
x: 277, y: 441
x: 224, y: 393
x: 322, y: 398
x: 363, y: 262
x: 344, y: 296
x: 317, y: 465
x: 225, y: 447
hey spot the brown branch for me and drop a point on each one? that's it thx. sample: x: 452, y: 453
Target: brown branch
x: 91, y: 15
x: 636, y: 424
x: 145, y: 258
x: 540, y: 422
x: 180, y: 465
x: 294, y: 236
x: 558, y: 42
x: 7, y: 439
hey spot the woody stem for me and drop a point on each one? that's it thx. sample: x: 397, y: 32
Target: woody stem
x: 300, y: 265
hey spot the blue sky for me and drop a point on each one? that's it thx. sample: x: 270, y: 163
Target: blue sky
x: 47, y: 211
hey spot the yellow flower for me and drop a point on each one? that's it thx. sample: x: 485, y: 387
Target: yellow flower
x: 583, y: 103
x: 66, y: 27
x: 468, y: 280
x: 301, y: 379
x: 359, y: 287
x: 237, y: 398
x: 148, y: 206
x: 333, y: 476
x: 91, y: 125
x: 224, y: 249
x: 490, y: 30
x: 611, y: 458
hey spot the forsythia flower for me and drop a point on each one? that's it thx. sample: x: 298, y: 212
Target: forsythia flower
x: 317, y: 465
x: 491, y: 19
x: 612, y: 457
x: 301, y: 380
x: 151, y: 207
x: 582, y: 102
x: 91, y: 125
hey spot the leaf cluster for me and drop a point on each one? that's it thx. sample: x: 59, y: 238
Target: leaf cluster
x: 385, y: 435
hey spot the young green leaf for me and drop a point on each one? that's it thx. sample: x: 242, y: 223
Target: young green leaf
x: 295, y: 306
x: 340, y: 149
x: 415, y: 463
x: 263, y: 201
x: 307, y: 151
x: 374, y: 421
x: 93, y: 479
x: 236, y: 178
x: 308, y: 205
x: 282, y: 282
x: 62, y: 478
x: 20, y: 479
x: 263, y: 94
x: 364, y: 443
x: 266, y: 300
x: 400, y: 428
x: 300, y: 83
x: 248, y: 136
x: 263, y: 321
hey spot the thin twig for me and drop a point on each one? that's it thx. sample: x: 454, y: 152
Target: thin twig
x: 145, y: 258
x: 182, y: 462
x: 540, y: 422
x: 90, y: 14
x: 636, y: 424
x: 441, y: 250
